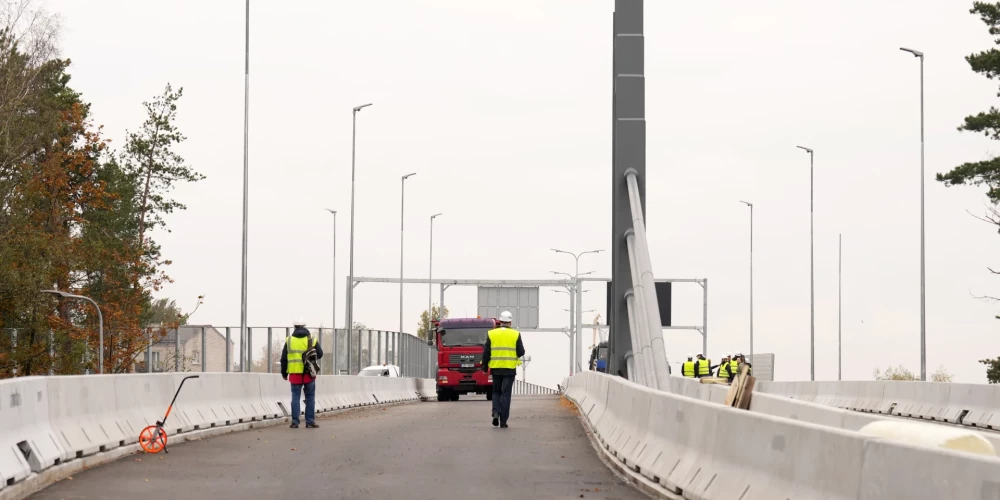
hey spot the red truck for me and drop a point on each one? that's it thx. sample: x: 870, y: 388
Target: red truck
x: 460, y: 344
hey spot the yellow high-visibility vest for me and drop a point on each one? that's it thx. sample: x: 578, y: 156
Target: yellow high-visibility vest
x: 704, y: 367
x: 734, y: 368
x: 687, y: 369
x: 724, y: 370
x: 296, y: 347
x: 503, y: 347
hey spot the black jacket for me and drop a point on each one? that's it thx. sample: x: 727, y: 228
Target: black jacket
x: 501, y: 371
x: 299, y: 332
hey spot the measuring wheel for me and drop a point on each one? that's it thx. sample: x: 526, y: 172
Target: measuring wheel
x: 152, y: 439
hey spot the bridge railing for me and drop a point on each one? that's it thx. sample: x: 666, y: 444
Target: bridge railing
x: 522, y: 388
x: 698, y: 449
x: 208, y: 348
x: 972, y: 405
x: 47, y: 422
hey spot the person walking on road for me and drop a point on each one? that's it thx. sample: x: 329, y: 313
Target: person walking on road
x: 501, y: 356
x: 299, y: 366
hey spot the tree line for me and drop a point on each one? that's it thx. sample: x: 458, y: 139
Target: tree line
x: 986, y: 172
x: 76, y: 214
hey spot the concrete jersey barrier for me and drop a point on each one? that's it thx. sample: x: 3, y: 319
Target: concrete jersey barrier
x: 972, y: 405
x: 47, y: 421
x: 701, y: 450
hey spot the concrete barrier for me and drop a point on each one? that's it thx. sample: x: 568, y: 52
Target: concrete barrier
x: 705, y: 451
x: 84, y: 415
x: 141, y: 400
x: 24, y: 405
x: 895, y: 470
x: 47, y: 421
x: 980, y: 404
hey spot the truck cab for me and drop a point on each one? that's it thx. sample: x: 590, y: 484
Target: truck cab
x: 460, y: 343
x: 599, y: 358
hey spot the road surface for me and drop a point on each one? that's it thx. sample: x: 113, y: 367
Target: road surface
x: 427, y: 450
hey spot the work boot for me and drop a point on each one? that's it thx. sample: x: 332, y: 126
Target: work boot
x: 496, y: 418
x: 294, y: 426
x: 503, y: 425
x: 313, y: 425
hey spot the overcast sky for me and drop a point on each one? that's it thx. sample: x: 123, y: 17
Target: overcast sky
x: 504, y: 111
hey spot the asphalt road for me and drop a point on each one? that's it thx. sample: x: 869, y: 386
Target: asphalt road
x: 432, y: 450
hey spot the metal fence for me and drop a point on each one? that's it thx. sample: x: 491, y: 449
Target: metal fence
x: 522, y: 388
x: 206, y: 348
x: 345, y: 352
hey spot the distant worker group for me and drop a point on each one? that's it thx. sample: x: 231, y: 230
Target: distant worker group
x: 699, y: 367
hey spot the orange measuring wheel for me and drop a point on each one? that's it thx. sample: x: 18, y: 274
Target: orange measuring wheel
x: 152, y: 439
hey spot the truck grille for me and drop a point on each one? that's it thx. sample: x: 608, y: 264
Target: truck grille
x: 460, y: 359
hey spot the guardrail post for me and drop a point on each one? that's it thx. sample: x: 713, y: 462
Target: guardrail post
x: 269, y: 358
x: 204, y: 357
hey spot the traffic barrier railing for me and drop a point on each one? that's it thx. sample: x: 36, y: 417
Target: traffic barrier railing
x: 24, y: 405
x: 83, y: 413
x: 699, y: 450
x: 47, y: 421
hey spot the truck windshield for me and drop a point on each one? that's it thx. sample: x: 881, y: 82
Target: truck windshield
x: 464, y: 336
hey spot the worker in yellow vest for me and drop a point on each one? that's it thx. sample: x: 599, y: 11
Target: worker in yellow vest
x: 724, y: 366
x: 687, y: 367
x: 501, y: 357
x: 299, y: 365
x: 703, y: 367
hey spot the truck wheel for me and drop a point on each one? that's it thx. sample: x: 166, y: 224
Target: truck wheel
x: 489, y: 395
x: 454, y: 396
x: 442, y: 397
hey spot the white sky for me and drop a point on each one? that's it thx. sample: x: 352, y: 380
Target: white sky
x: 504, y: 110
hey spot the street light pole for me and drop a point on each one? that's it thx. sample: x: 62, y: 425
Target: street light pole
x: 812, y: 275
x: 579, y: 305
x: 840, y: 268
x: 923, y: 297
x: 350, y: 287
x: 402, y: 205
x: 246, y: 191
x: 747, y: 203
x: 100, y: 323
x: 334, y: 212
x: 430, y: 274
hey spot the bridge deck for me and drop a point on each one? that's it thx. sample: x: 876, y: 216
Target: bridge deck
x: 427, y: 450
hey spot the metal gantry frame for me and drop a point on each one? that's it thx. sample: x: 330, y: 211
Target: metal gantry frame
x: 446, y: 283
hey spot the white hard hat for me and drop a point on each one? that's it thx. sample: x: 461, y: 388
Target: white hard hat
x: 700, y: 354
x: 299, y: 322
x: 506, y: 317
x: 738, y: 355
x: 728, y: 354
x: 690, y: 356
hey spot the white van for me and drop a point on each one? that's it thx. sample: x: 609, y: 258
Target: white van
x: 380, y: 371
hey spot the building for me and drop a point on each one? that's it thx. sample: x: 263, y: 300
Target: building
x: 166, y: 357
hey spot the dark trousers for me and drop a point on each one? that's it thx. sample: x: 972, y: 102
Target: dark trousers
x: 310, y: 390
x: 503, y: 386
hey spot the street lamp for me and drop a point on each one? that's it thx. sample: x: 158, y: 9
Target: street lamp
x: 747, y: 203
x: 812, y: 275
x: 100, y: 322
x: 923, y: 297
x: 246, y: 196
x: 402, y: 199
x: 334, y: 212
x: 840, y: 268
x: 579, y: 305
x: 350, y: 285
x: 430, y: 272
